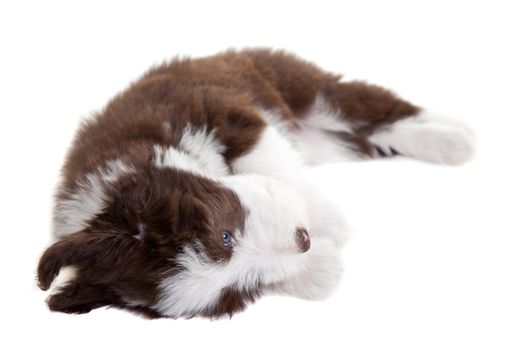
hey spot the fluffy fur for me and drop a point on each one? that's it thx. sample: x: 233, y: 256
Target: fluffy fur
x: 185, y: 195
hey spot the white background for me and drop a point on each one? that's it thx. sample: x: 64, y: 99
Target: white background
x: 437, y: 259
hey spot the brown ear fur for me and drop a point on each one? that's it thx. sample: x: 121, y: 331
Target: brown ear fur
x: 103, y: 262
x: 81, y: 298
x: 111, y: 269
x: 52, y: 260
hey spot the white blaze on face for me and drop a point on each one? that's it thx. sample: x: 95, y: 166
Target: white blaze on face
x: 274, y: 213
x: 265, y: 253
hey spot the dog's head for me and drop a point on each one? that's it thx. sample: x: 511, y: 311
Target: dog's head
x: 171, y: 243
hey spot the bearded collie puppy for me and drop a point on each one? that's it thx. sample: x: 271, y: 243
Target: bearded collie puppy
x: 184, y: 196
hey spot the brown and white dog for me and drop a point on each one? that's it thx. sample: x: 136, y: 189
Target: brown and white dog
x: 184, y: 196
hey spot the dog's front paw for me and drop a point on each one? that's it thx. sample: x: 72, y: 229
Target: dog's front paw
x: 320, y: 276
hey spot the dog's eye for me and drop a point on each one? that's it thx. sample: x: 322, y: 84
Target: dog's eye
x: 226, y: 237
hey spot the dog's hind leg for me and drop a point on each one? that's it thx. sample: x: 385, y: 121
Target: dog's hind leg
x: 356, y: 120
x: 340, y: 121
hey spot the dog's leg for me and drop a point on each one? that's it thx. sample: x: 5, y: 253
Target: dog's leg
x: 321, y: 274
x: 338, y: 121
x: 358, y: 120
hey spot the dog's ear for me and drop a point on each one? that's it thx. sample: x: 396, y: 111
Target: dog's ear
x: 77, y: 271
x: 81, y: 298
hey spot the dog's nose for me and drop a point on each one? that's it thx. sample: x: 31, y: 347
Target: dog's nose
x: 303, y: 239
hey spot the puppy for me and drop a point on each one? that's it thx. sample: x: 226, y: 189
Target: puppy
x: 184, y: 196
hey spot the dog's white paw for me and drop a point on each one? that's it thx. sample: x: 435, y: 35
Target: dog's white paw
x: 320, y: 275
x: 428, y: 138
